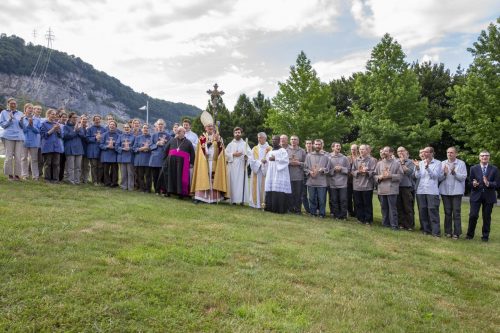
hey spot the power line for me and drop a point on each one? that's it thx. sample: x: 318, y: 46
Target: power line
x: 38, y: 83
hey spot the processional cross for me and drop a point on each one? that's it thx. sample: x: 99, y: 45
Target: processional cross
x: 214, y: 100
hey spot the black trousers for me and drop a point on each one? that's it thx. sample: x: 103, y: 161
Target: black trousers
x: 364, y: 206
x: 51, y: 166
x: 406, y: 213
x: 62, y: 164
x: 276, y: 202
x: 97, y: 171
x: 351, y: 209
x: 296, y: 196
x: 474, y: 215
x: 110, y: 174
x: 338, y: 202
x: 155, y: 175
x: 305, y: 199
x: 144, y: 178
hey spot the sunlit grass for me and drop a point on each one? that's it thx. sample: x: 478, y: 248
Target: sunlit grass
x: 92, y: 259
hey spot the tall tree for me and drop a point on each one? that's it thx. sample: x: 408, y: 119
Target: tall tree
x: 250, y: 115
x: 390, y: 110
x: 342, y: 98
x: 262, y: 105
x: 477, y: 102
x: 245, y: 116
x: 303, y: 107
x: 435, y: 81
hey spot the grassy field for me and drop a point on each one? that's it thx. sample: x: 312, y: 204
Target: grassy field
x: 87, y: 259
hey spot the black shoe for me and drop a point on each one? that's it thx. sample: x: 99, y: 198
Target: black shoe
x: 484, y: 240
x: 468, y: 237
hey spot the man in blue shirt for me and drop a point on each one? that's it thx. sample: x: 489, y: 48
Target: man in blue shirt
x: 428, y: 171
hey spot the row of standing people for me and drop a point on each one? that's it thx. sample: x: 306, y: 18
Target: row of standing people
x: 399, y: 180
x: 311, y: 174
x: 66, y: 147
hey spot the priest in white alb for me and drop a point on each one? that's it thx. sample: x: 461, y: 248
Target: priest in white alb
x: 237, y: 155
x: 277, y: 184
x: 258, y: 165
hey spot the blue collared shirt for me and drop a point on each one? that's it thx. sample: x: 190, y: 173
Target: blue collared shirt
x: 13, y: 128
x: 453, y: 184
x: 429, y: 177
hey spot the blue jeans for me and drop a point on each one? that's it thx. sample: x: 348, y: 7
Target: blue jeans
x: 317, y: 200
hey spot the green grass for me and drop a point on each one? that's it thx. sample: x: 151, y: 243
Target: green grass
x: 87, y: 259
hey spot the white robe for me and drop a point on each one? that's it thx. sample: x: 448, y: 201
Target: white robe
x: 257, y: 177
x: 278, y: 176
x: 237, y: 171
x: 193, y: 137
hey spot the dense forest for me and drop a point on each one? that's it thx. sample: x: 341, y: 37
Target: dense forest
x: 19, y: 58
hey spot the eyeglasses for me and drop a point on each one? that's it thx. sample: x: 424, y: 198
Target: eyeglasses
x: 484, y: 155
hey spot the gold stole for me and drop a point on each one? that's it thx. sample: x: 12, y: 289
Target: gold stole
x: 256, y: 151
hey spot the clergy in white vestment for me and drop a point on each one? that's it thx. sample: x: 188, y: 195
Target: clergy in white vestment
x: 258, y: 165
x: 237, y: 155
x: 190, y: 135
x: 277, y: 185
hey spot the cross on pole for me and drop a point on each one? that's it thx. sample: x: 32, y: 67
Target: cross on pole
x: 214, y: 99
x: 215, y: 95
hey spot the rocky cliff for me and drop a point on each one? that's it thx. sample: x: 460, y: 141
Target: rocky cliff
x: 72, y: 92
x: 71, y: 83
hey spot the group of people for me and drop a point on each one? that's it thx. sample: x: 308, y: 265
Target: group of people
x: 281, y: 177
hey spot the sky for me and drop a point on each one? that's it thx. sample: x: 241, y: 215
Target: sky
x: 177, y: 50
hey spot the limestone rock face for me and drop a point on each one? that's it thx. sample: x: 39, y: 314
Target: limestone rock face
x: 72, y: 92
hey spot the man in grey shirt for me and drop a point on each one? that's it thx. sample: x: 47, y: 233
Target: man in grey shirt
x: 317, y: 166
x: 297, y: 157
x: 452, y: 188
x: 362, y: 171
x: 405, y: 202
x: 388, y: 173
x: 337, y: 191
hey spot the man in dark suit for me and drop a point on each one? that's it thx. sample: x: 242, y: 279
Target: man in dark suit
x: 484, y: 180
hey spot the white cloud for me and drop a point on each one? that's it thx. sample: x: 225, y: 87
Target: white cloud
x: 345, y: 66
x: 176, y: 50
x: 418, y: 22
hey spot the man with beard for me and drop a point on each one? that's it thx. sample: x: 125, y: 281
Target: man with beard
x: 317, y: 166
x: 338, y: 182
x: 237, y: 153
